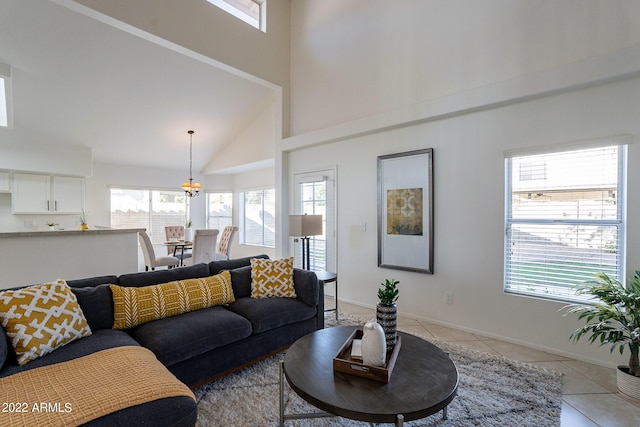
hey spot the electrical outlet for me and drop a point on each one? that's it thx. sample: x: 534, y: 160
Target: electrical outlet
x: 363, y: 227
x: 28, y: 223
x: 448, y: 298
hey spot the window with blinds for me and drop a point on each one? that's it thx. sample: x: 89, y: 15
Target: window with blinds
x: 150, y: 209
x: 257, y: 218
x: 219, y: 209
x: 564, y: 220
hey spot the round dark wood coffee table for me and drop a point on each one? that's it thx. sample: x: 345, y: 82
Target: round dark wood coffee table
x: 423, y: 382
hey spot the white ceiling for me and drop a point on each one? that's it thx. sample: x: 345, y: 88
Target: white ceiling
x: 78, y: 81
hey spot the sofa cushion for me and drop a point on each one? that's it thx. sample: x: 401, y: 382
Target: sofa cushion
x: 272, y: 278
x: 92, y: 281
x: 99, y: 340
x: 134, y: 306
x: 307, y: 286
x: 41, y: 318
x: 96, y: 303
x: 241, y: 281
x: 148, y: 278
x: 305, y: 283
x: 4, y: 346
x: 216, y: 267
x: 179, y: 338
x: 271, y: 313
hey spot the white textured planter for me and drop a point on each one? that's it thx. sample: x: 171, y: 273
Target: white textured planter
x: 188, y: 235
x: 628, y: 384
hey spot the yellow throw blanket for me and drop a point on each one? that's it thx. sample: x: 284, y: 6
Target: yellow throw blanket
x: 80, y: 390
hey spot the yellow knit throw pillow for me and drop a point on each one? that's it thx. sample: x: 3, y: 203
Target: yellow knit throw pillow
x: 41, y: 318
x: 134, y: 306
x: 272, y: 278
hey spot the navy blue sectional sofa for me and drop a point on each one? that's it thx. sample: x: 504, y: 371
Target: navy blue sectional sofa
x: 197, y: 346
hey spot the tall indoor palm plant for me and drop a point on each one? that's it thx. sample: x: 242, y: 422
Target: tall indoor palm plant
x: 613, y: 318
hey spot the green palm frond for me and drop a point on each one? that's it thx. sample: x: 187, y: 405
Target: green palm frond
x: 614, y: 316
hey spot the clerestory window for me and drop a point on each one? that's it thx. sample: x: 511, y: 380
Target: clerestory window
x: 253, y: 12
x: 5, y: 95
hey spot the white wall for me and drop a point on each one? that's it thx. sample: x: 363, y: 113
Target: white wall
x: 254, y: 145
x: 29, y: 156
x: 353, y: 59
x: 208, y: 30
x: 469, y: 206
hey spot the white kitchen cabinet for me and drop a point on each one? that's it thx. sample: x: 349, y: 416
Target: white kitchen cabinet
x: 68, y: 194
x: 5, y: 186
x: 45, y: 194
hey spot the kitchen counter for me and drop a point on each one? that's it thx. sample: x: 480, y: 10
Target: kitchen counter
x: 57, y: 233
x: 30, y: 257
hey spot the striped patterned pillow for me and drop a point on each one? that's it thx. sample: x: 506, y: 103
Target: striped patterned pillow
x: 272, y: 278
x: 134, y: 306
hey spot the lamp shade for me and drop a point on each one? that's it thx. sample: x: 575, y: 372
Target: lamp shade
x: 305, y: 225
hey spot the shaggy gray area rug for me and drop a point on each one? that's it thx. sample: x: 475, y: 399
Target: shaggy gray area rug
x: 492, y: 391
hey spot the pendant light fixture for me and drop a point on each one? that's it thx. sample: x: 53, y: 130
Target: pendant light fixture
x: 191, y: 188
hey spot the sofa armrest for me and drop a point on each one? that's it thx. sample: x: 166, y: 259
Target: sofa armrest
x: 307, y: 286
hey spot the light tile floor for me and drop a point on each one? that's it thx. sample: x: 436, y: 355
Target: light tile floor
x: 590, y: 397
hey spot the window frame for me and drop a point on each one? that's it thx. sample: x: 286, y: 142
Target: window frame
x: 619, y: 222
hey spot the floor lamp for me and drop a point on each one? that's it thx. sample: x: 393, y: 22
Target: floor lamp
x: 304, y: 226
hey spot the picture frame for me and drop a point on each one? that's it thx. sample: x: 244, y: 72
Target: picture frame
x: 405, y: 211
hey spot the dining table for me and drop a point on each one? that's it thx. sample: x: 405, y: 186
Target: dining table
x: 178, y: 244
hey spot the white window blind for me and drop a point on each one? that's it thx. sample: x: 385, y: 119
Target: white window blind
x: 219, y: 209
x: 564, y: 220
x: 150, y: 209
x: 257, y: 218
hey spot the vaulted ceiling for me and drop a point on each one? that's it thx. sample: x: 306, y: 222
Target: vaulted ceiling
x: 79, y: 81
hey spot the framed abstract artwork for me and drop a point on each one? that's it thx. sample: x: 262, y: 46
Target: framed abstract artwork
x: 405, y: 211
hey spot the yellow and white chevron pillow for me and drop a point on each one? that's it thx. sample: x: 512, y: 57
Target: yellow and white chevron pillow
x: 134, y: 306
x: 272, y: 278
x: 41, y: 318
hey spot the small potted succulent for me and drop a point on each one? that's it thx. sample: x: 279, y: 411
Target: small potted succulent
x: 52, y: 225
x: 83, y: 220
x: 387, y: 311
x: 613, y: 318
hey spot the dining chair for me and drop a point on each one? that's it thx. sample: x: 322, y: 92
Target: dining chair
x: 226, y: 238
x: 204, y: 247
x: 176, y: 232
x: 173, y: 232
x: 150, y: 259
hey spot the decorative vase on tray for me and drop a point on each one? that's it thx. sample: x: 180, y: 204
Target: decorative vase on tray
x: 387, y: 312
x: 188, y: 231
x: 374, y: 348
